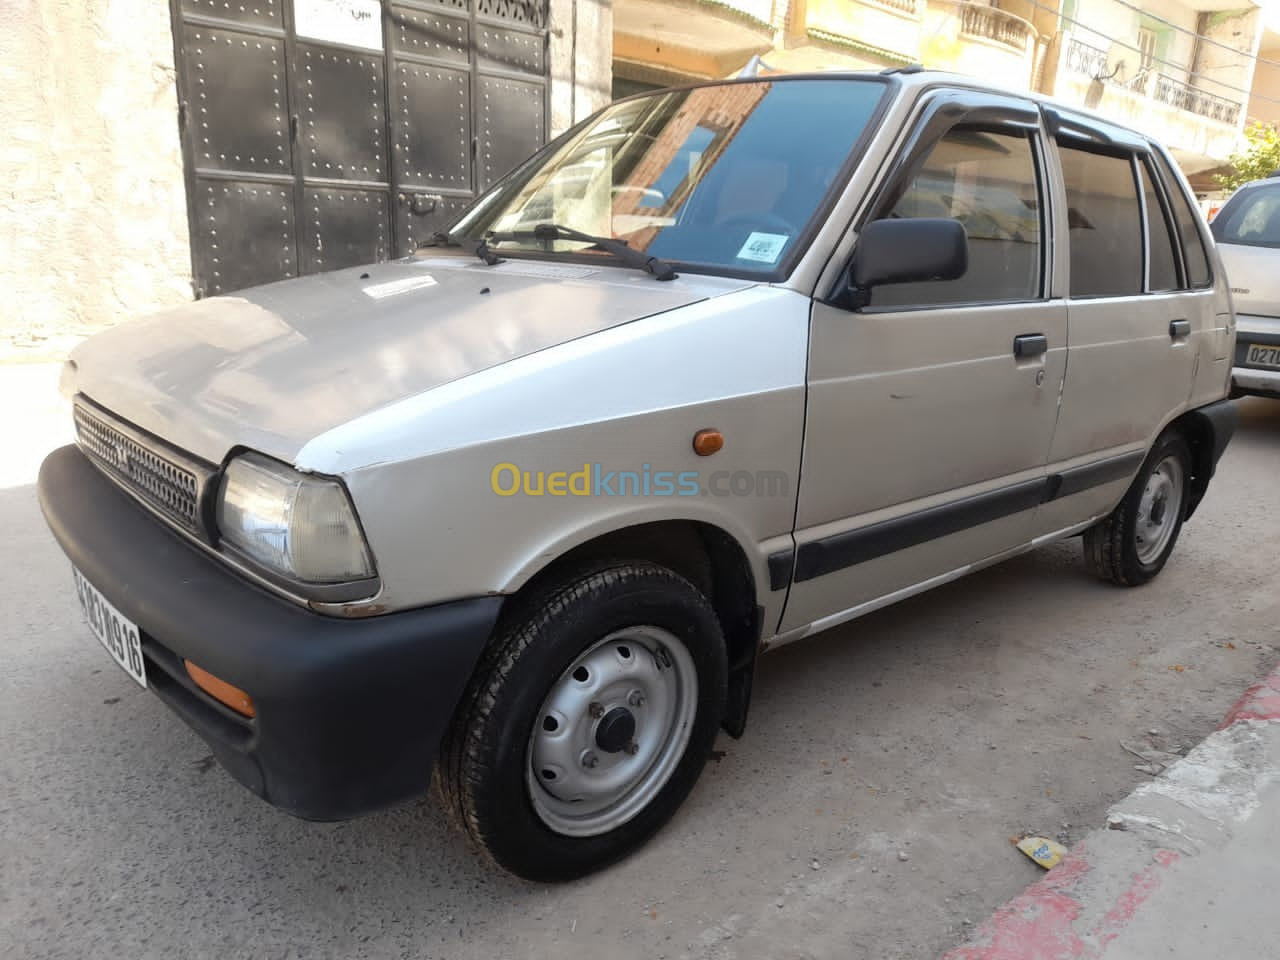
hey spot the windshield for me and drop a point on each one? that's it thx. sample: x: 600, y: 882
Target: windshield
x: 724, y: 176
x: 1250, y: 218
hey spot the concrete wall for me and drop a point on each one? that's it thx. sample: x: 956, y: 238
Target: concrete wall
x: 93, y: 214
x: 1177, y: 46
x: 1100, y: 22
x: 1264, y: 100
x: 581, y: 60
x: 1224, y: 67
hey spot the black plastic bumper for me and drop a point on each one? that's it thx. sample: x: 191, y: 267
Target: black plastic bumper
x: 1222, y: 418
x: 349, y: 713
x: 1218, y: 425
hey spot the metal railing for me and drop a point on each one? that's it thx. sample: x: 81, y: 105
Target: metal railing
x: 1186, y: 97
x: 1091, y: 61
x: 1086, y: 59
x: 992, y: 23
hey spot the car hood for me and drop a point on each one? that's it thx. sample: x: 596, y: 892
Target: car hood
x: 273, y: 367
x: 1254, y: 276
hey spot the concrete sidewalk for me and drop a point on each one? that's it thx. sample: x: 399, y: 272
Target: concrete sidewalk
x: 1186, y: 867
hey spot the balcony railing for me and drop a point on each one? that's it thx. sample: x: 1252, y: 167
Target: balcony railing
x: 992, y: 23
x: 1186, y: 97
x: 1087, y: 59
x: 1091, y: 61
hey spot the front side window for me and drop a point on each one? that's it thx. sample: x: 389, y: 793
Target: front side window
x: 727, y: 176
x: 987, y: 181
x: 1251, y: 218
x: 1104, y: 223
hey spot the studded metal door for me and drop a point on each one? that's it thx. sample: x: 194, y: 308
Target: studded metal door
x: 320, y: 134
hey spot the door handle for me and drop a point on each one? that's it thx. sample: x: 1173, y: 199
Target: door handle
x: 1030, y: 345
x: 1179, y: 328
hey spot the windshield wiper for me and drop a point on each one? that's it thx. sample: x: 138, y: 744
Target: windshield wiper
x: 481, y: 249
x: 660, y: 269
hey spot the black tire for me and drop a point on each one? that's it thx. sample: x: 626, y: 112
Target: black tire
x: 483, y: 773
x: 1112, y: 546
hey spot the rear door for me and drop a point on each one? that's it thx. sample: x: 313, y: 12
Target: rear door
x: 1137, y: 312
x: 926, y: 432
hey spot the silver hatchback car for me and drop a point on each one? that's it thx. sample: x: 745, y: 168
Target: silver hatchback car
x: 1247, y: 229
x: 717, y: 369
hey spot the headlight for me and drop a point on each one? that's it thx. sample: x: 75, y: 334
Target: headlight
x: 301, y: 526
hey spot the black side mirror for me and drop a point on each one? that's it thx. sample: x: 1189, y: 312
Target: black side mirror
x: 904, y: 251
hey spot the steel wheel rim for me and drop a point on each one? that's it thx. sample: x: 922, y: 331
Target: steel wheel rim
x: 579, y: 784
x: 1158, y: 510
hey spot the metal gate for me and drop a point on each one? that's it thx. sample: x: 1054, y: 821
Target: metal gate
x: 320, y: 134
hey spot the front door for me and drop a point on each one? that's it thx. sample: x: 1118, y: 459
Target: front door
x: 320, y: 134
x: 930, y: 413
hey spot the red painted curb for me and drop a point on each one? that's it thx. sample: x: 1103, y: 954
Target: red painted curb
x: 1040, y: 923
x: 1260, y: 702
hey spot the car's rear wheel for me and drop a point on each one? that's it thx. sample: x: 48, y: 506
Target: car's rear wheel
x: 587, y: 722
x: 1132, y: 544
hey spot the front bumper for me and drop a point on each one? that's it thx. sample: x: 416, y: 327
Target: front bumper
x: 349, y: 713
x: 1246, y: 378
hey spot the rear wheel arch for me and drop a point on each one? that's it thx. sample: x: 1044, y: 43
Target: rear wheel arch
x: 1205, y: 436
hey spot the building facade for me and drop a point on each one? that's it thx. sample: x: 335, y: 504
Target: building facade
x: 1182, y: 73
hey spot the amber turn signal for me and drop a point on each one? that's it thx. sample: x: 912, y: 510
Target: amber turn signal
x: 220, y: 690
x: 707, y: 442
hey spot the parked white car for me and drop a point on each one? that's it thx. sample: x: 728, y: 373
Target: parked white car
x: 1247, y: 230
x: 718, y: 369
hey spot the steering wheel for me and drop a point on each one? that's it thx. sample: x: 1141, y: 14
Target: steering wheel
x: 765, y: 221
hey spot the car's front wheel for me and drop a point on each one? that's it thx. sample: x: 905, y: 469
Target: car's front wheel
x: 588, y: 721
x: 1133, y: 543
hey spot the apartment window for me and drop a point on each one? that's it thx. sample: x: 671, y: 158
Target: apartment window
x: 1162, y: 262
x: 1104, y: 223
x: 987, y: 181
x: 1146, y: 50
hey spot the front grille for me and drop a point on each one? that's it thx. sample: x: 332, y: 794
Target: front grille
x: 142, y: 468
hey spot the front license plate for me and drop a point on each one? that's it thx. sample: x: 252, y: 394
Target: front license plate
x: 1263, y: 355
x: 118, y: 634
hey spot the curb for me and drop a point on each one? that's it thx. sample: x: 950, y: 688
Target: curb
x: 1260, y: 702
x: 1080, y: 906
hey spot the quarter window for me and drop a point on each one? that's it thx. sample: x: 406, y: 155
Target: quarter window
x: 1104, y: 224
x: 987, y: 181
x: 1162, y: 268
x: 1188, y: 219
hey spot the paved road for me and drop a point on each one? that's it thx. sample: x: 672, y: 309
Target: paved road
x: 930, y: 731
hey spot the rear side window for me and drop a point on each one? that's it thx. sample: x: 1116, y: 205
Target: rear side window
x: 986, y: 180
x: 1187, y: 219
x: 1251, y: 218
x: 1162, y: 264
x: 1104, y: 223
